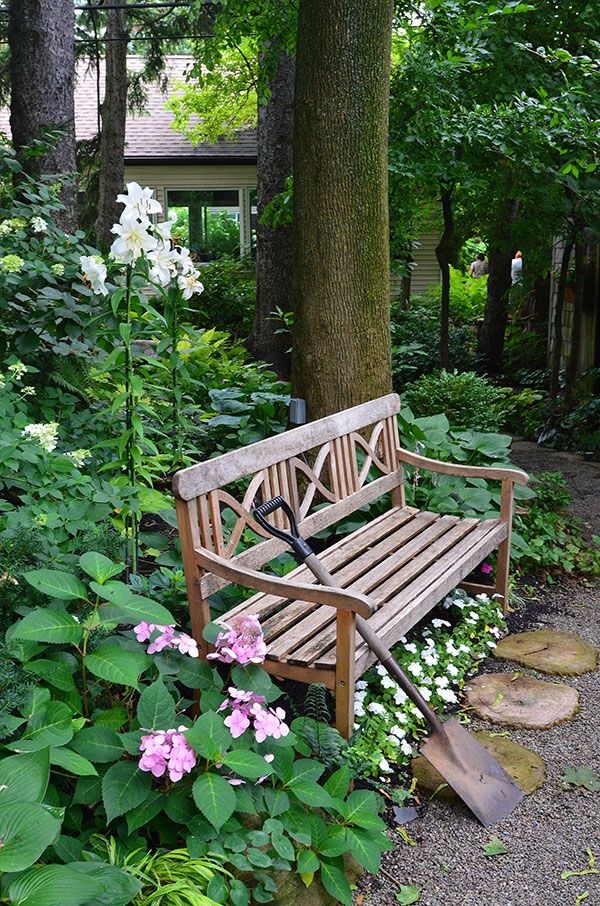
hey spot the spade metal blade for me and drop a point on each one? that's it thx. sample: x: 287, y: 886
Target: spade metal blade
x: 472, y: 772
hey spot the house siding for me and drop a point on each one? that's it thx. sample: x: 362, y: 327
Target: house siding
x: 426, y: 270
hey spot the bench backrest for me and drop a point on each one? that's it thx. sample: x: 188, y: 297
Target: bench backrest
x: 336, y: 474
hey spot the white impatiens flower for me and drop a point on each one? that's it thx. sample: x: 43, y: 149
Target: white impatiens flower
x: 39, y: 225
x: 401, y: 717
x: 415, y: 669
x: 362, y: 684
x: 441, y: 681
x: 381, y: 670
x: 448, y: 695
x: 400, y: 697
x: 139, y: 202
x: 451, y: 669
x: 384, y: 766
x: 190, y: 285
x: 388, y: 683
x: 45, y: 434
x: 439, y: 623
x: 133, y: 239
x: 430, y: 658
x: 425, y: 692
x: 397, y: 732
x: 452, y: 649
x: 377, y: 708
x: 163, y: 265
x: 411, y: 647
x: 406, y: 747
x: 94, y: 273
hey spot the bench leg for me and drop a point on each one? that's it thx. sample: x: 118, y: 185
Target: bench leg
x: 345, y: 673
x: 502, y: 571
x: 199, y: 606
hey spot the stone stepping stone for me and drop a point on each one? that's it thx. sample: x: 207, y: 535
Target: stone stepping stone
x: 556, y: 653
x: 521, y: 702
x: 524, y: 766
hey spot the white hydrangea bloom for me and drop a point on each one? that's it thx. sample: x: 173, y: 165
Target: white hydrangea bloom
x: 39, y: 225
x: 45, y: 434
x: 79, y: 457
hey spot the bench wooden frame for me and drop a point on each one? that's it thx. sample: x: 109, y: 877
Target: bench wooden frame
x: 394, y: 570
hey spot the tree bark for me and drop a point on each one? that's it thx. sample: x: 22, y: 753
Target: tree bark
x: 114, y: 118
x: 274, y: 248
x: 42, y: 70
x: 559, y: 308
x: 443, y: 254
x: 342, y: 352
x: 573, y: 363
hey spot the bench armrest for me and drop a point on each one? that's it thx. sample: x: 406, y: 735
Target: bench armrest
x: 340, y: 598
x: 515, y: 476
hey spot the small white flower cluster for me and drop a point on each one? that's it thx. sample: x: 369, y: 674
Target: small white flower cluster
x: 79, y: 457
x: 137, y: 236
x: 39, y: 225
x: 439, y: 660
x: 45, y: 434
x: 18, y: 369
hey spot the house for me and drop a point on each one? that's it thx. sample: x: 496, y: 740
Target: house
x: 212, y: 187
x: 589, y: 341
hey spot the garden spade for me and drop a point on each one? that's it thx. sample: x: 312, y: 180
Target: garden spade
x: 471, y: 771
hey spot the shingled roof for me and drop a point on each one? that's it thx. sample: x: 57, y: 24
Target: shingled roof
x: 149, y: 136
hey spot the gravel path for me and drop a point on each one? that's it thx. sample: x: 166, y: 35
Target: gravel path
x: 551, y: 830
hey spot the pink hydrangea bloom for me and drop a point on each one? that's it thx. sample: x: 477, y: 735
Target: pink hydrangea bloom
x: 167, y: 750
x: 248, y: 708
x: 166, y: 638
x: 241, y: 641
x: 486, y: 569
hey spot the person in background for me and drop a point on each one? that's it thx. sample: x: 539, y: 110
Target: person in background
x: 516, y: 268
x: 479, y: 267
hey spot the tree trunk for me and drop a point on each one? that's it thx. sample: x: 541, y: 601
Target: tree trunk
x: 42, y: 70
x: 342, y: 352
x: 491, y: 338
x: 443, y: 252
x: 114, y: 117
x: 573, y: 364
x: 274, y: 249
x: 559, y: 308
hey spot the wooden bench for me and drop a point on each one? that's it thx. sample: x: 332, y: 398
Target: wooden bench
x: 405, y: 561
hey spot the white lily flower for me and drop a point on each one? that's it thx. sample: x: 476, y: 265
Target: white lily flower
x: 190, y: 285
x: 163, y: 266
x: 163, y: 229
x: 133, y: 239
x: 138, y: 201
x: 94, y: 273
x: 184, y: 260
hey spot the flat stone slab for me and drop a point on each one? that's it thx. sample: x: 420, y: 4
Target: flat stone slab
x: 524, y: 766
x: 555, y: 653
x: 521, y: 702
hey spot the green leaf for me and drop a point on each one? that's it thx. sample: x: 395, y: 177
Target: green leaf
x: 258, y: 857
x: 277, y: 802
x: 335, y: 883
x: 26, y: 829
x: 247, y: 764
x: 72, y: 762
x: 308, y: 862
x: 156, y: 708
x: 109, y: 662
x: 215, y: 798
x: 117, y: 887
x: 305, y: 769
x: 144, y: 813
x: 55, y: 673
x: 311, y: 794
x: 138, y: 609
x: 99, y: 567
x: 494, y: 848
x: 254, y: 679
x: 217, y: 889
x: 584, y: 776
x: 124, y: 787
x: 361, y: 808
x: 24, y: 778
x: 53, y: 626
x: 284, y: 847
x: 209, y: 736
x: 339, y: 783
x: 53, y: 885
x: 88, y: 791
x: 408, y: 894
x: 50, y: 726
x: 335, y: 842
x: 364, y: 849
x: 239, y: 893
x: 57, y: 584
x: 98, y: 744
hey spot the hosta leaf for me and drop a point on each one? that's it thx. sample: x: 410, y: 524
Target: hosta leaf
x: 124, y: 787
x: 54, y: 626
x: 72, y: 762
x: 215, y: 798
x: 99, y: 567
x: 115, y: 664
x: 98, y: 744
x: 156, y: 708
x: 50, y: 726
x: 24, y: 778
x: 26, y: 829
x: 53, y: 885
x: 117, y: 887
x: 57, y: 584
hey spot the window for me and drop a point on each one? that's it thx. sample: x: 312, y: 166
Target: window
x: 208, y: 221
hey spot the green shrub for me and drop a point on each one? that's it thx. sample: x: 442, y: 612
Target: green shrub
x: 229, y: 297
x: 416, y: 342
x: 467, y: 400
x: 467, y: 297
